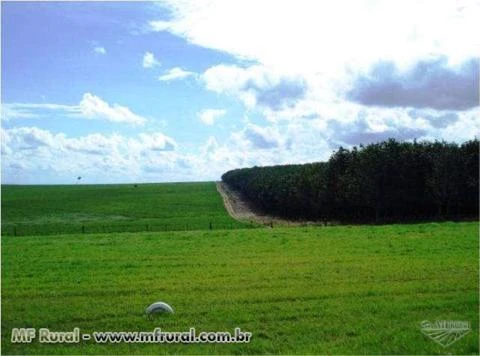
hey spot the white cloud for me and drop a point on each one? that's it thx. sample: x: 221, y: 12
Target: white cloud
x: 159, y: 25
x: 95, y: 144
x: 256, y: 85
x: 232, y: 80
x: 148, y: 157
x: 154, y: 156
x: 28, y: 138
x: 12, y: 111
x: 262, y: 145
x: 321, y: 47
x: 209, y: 116
x: 229, y: 78
x: 108, y: 157
x: 149, y: 60
x: 100, y: 50
x: 308, y: 36
x: 93, y: 107
x: 259, y: 137
x: 158, y: 142
x: 175, y: 73
x: 301, y: 56
x: 314, y: 139
x: 90, y: 107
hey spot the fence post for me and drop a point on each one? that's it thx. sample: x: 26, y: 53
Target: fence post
x: 14, y: 231
x: 211, y: 226
x: 83, y: 229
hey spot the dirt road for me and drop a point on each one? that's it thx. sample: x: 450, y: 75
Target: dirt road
x: 240, y: 210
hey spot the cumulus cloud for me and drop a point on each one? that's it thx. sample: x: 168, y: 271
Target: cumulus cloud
x: 436, y: 120
x: 158, y: 142
x: 149, y: 60
x: 310, y: 36
x: 100, y: 50
x: 259, y: 137
x: 152, y: 156
x: 4, y: 142
x: 281, y: 95
x: 309, y: 64
x: 90, y: 107
x: 155, y: 156
x: 256, y: 85
x: 361, y: 131
x: 263, y: 145
x: 158, y: 25
x: 27, y: 138
x: 32, y: 138
x: 174, y: 74
x: 465, y: 127
x: 112, y: 155
x: 262, y: 138
x: 295, y: 64
x: 209, y: 116
x: 93, y: 107
x: 210, y: 146
x: 428, y: 84
x: 94, y: 144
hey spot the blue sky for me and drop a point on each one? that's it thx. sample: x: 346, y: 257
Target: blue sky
x: 186, y: 90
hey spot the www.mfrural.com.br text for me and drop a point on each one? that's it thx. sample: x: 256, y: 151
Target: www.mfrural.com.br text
x: 44, y: 335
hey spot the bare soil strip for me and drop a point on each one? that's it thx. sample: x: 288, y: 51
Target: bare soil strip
x: 241, y: 210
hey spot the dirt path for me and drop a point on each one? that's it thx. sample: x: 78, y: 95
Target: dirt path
x: 240, y: 210
x: 236, y: 207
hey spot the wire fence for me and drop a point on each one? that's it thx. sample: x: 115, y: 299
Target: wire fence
x: 32, y: 230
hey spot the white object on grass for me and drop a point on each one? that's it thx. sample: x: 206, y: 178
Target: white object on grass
x: 158, y: 307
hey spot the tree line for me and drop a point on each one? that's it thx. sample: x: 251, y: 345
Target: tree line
x: 386, y: 181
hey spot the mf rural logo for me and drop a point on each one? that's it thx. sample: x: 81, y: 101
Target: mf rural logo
x: 445, y: 332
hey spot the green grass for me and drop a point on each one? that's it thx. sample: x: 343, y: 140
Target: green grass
x: 327, y: 290
x: 37, y: 210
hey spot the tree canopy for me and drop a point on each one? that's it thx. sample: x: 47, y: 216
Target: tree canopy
x: 386, y: 181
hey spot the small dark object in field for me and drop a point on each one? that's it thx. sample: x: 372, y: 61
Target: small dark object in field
x: 135, y: 185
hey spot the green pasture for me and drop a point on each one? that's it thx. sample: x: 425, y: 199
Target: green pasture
x: 46, y: 210
x: 304, y: 290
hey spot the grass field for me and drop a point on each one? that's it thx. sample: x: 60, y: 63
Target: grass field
x: 37, y: 210
x: 328, y: 290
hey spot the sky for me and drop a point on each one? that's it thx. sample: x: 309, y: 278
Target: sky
x: 122, y: 92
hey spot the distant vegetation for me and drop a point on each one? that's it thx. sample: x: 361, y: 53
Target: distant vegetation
x: 46, y: 210
x: 387, y: 181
